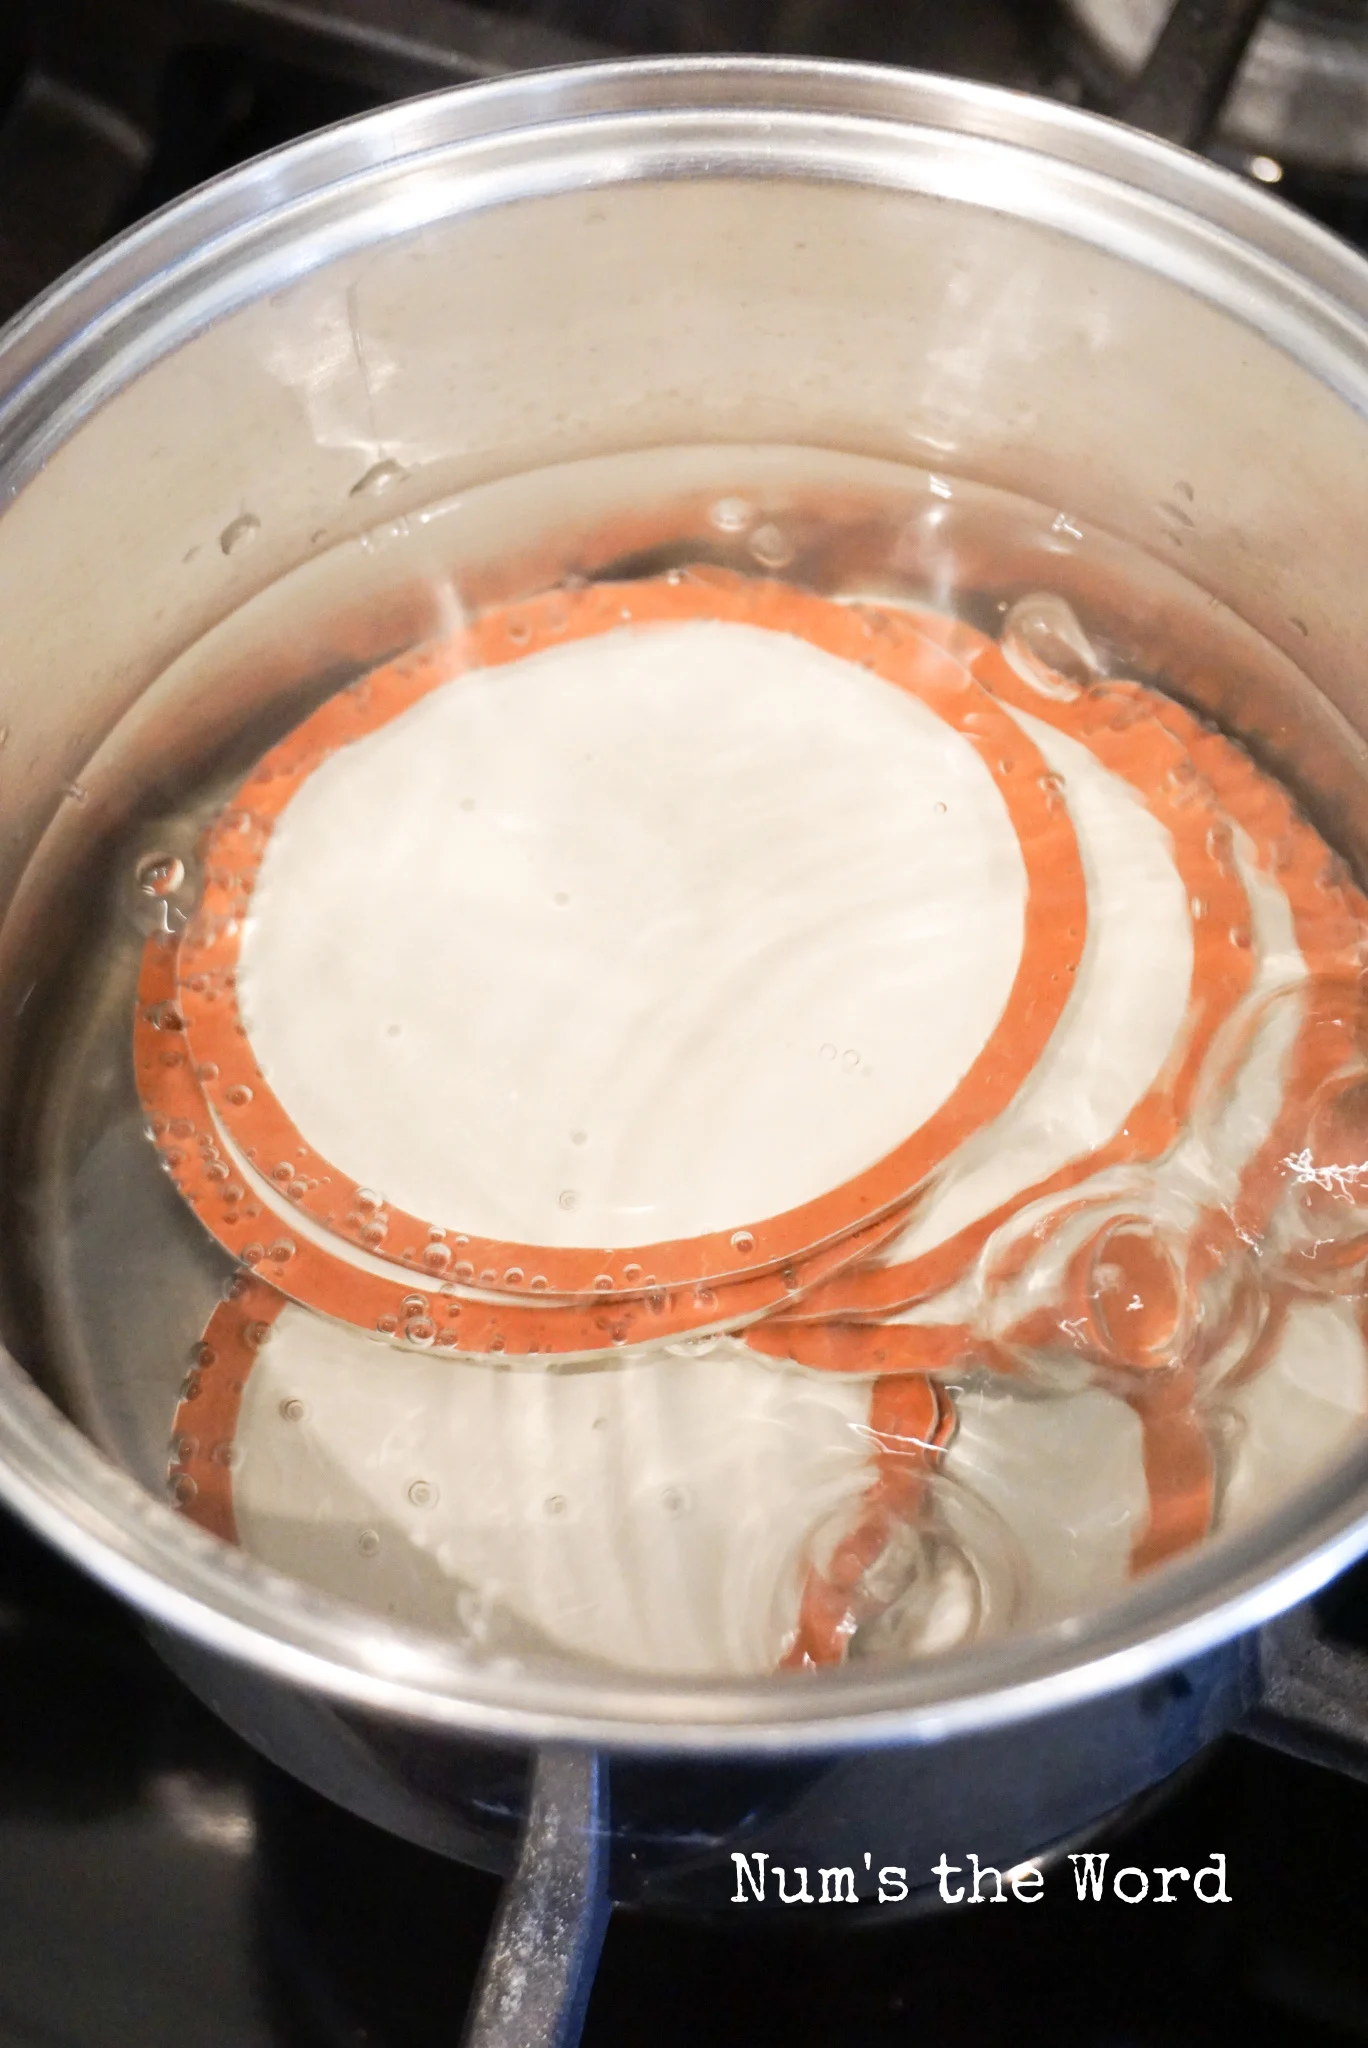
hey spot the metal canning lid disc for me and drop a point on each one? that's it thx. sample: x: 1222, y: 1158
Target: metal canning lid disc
x: 837, y: 849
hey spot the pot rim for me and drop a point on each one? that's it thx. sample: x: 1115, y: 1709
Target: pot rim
x: 268, y: 222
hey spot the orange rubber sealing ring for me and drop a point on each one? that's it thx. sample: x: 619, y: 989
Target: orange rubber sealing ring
x: 1179, y: 1470
x: 1142, y: 751
x: 204, y: 1431
x: 1055, y: 923
x: 910, y: 1420
x: 1330, y: 918
x: 420, y: 1311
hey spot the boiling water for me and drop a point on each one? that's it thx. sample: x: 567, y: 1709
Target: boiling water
x: 601, y: 1513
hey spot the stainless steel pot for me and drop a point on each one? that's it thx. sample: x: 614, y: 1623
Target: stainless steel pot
x: 567, y: 264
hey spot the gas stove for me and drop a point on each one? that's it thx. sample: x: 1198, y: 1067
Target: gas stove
x: 109, y: 113
x: 159, y: 1883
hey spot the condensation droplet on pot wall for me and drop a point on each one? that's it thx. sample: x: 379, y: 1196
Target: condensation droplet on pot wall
x: 239, y: 533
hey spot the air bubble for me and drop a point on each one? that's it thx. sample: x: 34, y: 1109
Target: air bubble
x: 1047, y: 647
x: 183, y: 1489
x: 567, y: 1198
x: 368, y: 1542
x: 771, y: 547
x: 239, y: 1096
x: 555, y: 1504
x: 292, y: 1410
x: 281, y: 1252
x: 421, y: 1331
x: 742, y: 1241
x: 239, y: 533
x: 1137, y: 1293
x: 379, y: 478
x: 731, y: 515
x: 159, y: 874
x: 422, y: 1493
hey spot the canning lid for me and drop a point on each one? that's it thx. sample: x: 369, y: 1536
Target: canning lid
x: 401, y: 1039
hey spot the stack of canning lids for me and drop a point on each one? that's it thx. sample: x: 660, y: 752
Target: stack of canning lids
x: 757, y: 1129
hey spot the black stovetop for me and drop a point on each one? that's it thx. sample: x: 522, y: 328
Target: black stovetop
x: 159, y: 1884
x: 161, y: 1887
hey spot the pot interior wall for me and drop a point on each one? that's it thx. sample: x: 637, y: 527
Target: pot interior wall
x: 895, y: 324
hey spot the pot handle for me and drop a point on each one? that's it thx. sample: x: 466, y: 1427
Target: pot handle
x: 1314, y: 1702
x: 543, y: 1948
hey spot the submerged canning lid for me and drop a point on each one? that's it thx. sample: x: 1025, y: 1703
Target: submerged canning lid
x: 771, y: 809
x: 766, y: 847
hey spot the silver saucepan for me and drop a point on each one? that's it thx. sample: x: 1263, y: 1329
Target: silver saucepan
x: 579, y: 264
